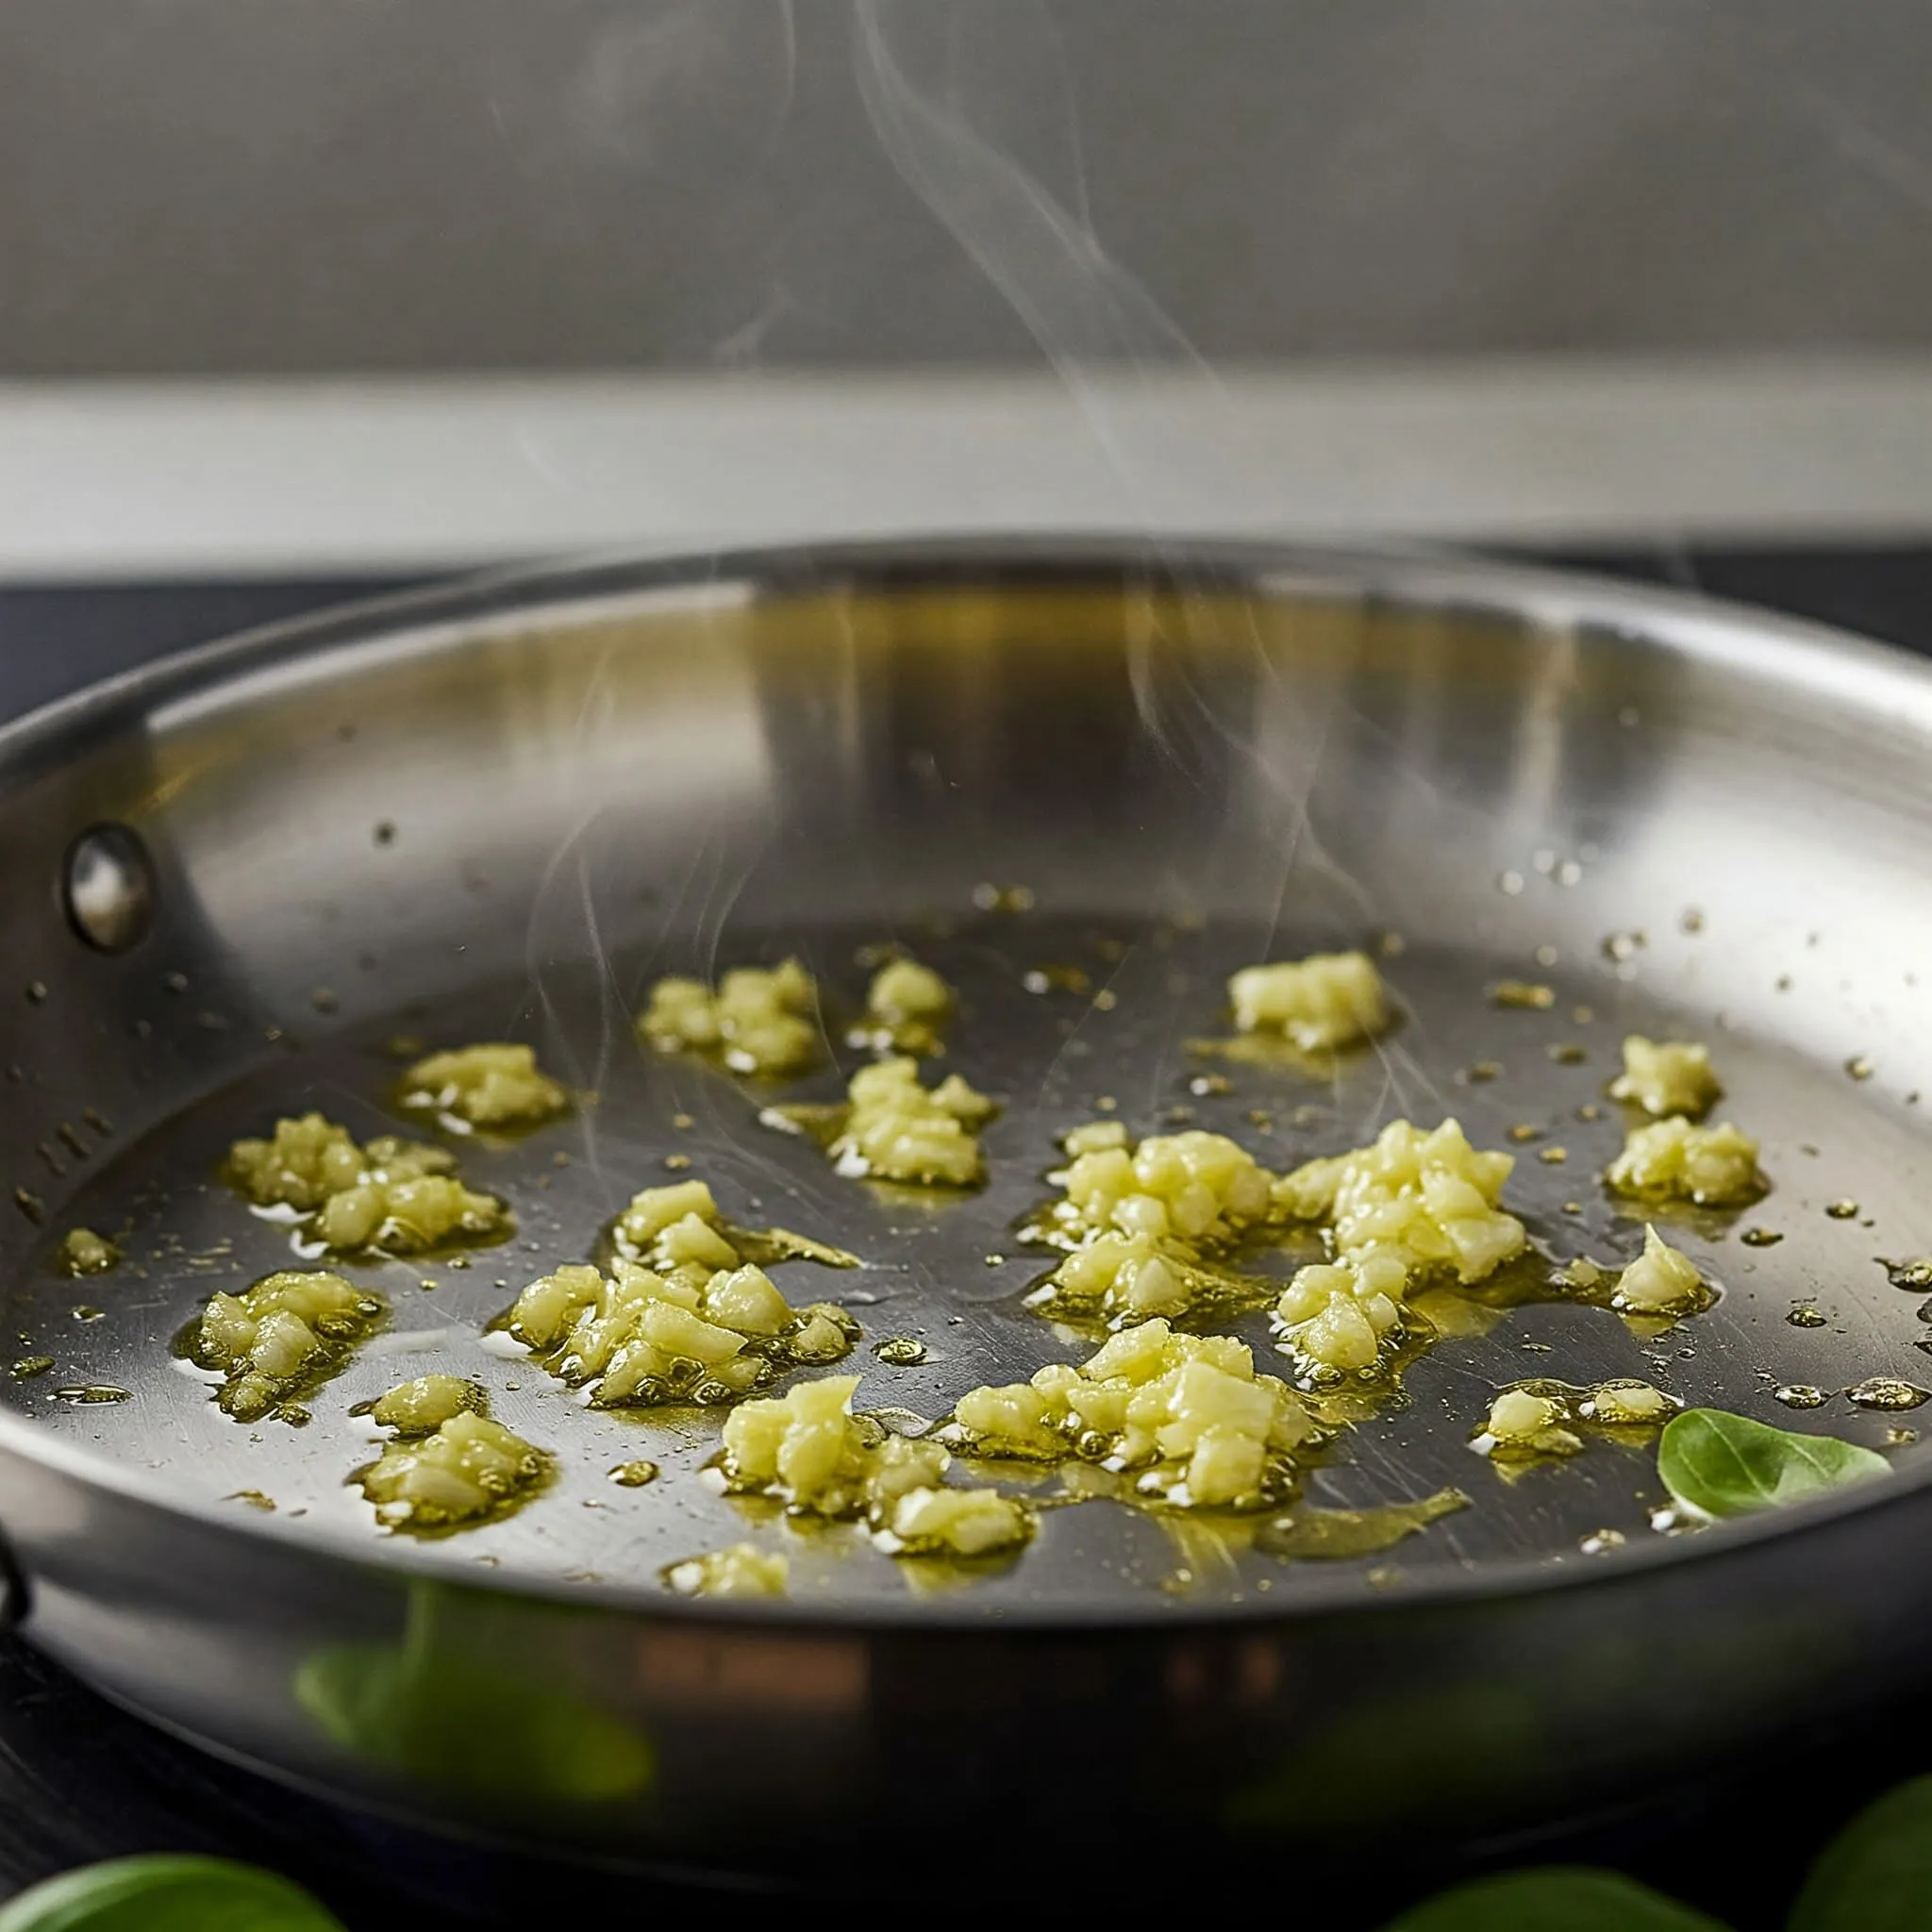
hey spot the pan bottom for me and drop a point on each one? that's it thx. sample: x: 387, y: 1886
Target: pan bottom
x: 1064, y: 1020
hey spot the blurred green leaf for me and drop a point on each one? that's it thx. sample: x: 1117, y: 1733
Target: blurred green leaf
x: 166, y: 1893
x: 1556, y: 1898
x: 469, y: 1726
x: 1398, y: 1760
x: 1876, y: 1874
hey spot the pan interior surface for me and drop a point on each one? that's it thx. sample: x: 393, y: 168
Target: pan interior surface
x: 1085, y: 796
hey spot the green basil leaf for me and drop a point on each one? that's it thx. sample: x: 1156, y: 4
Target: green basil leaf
x: 1719, y: 1464
x: 1556, y: 1898
x: 166, y: 1893
x: 1876, y: 1874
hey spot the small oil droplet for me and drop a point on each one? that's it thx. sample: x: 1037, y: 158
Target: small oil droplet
x: 93, y: 1391
x: 899, y: 1351
x: 1600, y: 1540
x: 31, y: 1204
x: 1623, y: 946
x: 1567, y: 1053
x: 1484, y: 1071
x: 36, y: 991
x: 1914, y: 1276
x: 1842, y: 1210
x: 28, y: 1366
x: 1761, y: 1237
x: 1203, y: 1084
x: 634, y: 1475
x: 1590, y: 1110
x: 1800, y: 1395
x: 1693, y: 920
x: 677, y: 1162
x: 1859, y: 1066
x: 1522, y: 1132
x: 1888, y: 1393
x: 1553, y: 1156
x: 1804, y: 1315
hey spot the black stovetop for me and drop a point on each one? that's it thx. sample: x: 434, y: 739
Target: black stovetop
x: 80, y: 1780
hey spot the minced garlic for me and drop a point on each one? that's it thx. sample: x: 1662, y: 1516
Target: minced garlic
x: 1667, y: 1077
x: 1200, y: 1189
x: 493, y: 1084
x: 466, y: 1471
x: 1541, y: 1418
x: 1339, y: 1316
x: 934, y: 1520
x: 1328, y: 1000
x: 679, y: 1231
x: 1626, y: 1405
x: 1673, y: 1159
x: 84, y: 1251
x: 282, y: 1337
x: 1126, y: 1278
x: 810, y: 1451
x: 1143, y: 1221
x: 398, y: 1196
x: 419, y: 1407
x: 760, y: 1019
x: 1145, y: 1225
x: 1521, y: 1424
x: 696, y: 1334
x: 740, y: 1570
x: 1186, y: 1415
x: 1428, y: 1199
x: 892, y: 1129
x: 905, y: 1009
x: 1659, y: 1282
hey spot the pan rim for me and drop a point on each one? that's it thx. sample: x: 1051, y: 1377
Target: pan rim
x: 1763, y: 646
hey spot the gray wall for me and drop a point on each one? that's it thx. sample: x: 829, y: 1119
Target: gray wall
x: 284, y: 185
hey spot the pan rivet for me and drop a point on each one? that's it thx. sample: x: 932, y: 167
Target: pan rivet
x: 109, y: 886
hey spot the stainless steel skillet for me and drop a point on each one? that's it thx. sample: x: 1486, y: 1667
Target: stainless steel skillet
x: 503, y: 809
